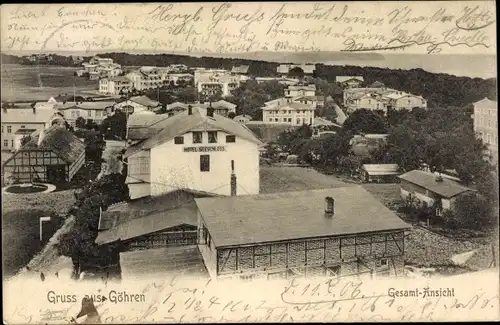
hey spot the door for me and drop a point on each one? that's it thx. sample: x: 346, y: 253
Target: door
x: 56, y: 174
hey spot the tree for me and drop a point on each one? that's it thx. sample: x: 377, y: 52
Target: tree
x: 115, y: 126
x: 365, y: 121
x: 291, y: 140
x: 25, y: 139
x: 80, y: 122
x: 472, y: 211
x: 296, y: 72
x: 91, y: 125
x: 79, y: 242
x: 94, y: 147
x: 231, y: 115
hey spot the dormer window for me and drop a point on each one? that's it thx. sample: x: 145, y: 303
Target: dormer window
x: 179, y: 140
x: 197, y: 137
x: 212, y: 136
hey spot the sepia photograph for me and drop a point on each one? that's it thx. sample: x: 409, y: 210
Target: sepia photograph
x: 249, y: 162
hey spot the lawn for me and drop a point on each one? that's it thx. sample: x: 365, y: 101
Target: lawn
x: 20, y: 224
x: 30, y: 83
x: 286, y: 179
x: 20, y: 236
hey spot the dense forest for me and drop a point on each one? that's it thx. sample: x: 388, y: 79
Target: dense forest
x: 441, y: 90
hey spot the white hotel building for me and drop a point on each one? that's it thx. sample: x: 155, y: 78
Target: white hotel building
x: 194, y: 150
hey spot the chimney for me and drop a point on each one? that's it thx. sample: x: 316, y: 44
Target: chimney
x: 233, y: 179
x: 329, y: 206
x: 439, y: 178
x: 190, y: 110
x: 210, y: 111
x: 40, y: 137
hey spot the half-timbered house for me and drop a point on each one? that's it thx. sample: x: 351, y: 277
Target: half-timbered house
x: 331, y: 232
x: 52, y: 156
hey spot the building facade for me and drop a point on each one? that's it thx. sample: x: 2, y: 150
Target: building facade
x: 285, y: 110
x: 52, y: 156
x: 205, y: 148
x: 284, y: 69
x: 431, y: 190
x: 96, y: 111
x: 486, y: 125
x: 350, y: 81
x: 15, y: 122
x: 300, y: 91
x: 342, y: 237
x: 137, y: 104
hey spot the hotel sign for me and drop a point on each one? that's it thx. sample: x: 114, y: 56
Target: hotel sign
x: 204, y: 149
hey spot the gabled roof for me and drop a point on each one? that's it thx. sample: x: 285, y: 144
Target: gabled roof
x: 222, y: 103
x: 58, y: 140
x: 311, y: 98
x: 264, y: 218
x: 182, y: 123
x: 148, y: 214
x: 486, y: 102
x: 240, y: 69
x: 302, y: 87
x: 26, y: 115
x: 381, y: 169
x: 142, y: 126
x: 446, y: 188
x: 342, y: 79
x: 98, y: 105
x: 145, y: 101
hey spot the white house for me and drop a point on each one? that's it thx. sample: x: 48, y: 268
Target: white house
x: 280, y: 80
x: 283, y: 69
x: 401, y: 100
x: 431, y: 190
x: 287, y: 111
x: 195, y: 150
x: 295, y: 91
x: 244, y: 119
x: 350, y: 81
x: 137, y: 104
x: 96, y: 111
x: 176, y: 78
x: 486, y: 125
x: 220, y: 107
x: 19, y: 122
x: 115, y: 86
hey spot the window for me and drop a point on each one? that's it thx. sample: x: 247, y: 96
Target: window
x: 22, y: 126
x: 270, y: 120
x: 212, y: 136
x: 179, y: 140
x: 276, y: 120
x: 5, y: 143
x: 439, y: 212
x: 9, y: 129
x: 298, y: 121
x: 205, y: 163
x: 97, y: 114
x: 89, y: 113
x: 12, y: 143
x: 2, y: 128
x: 73, y: 113
x: 383, y: 262
x: 333, y: 271
x: 197, y: 137
x: 230, y: 138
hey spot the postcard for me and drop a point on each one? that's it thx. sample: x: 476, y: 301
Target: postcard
x: 249, y: 162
